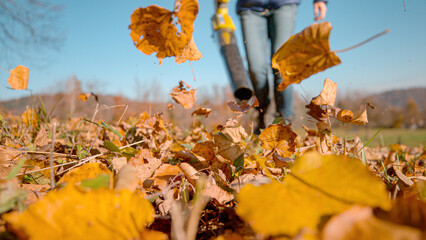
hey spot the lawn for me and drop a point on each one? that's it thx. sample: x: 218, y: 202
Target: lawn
x: 386, y: 136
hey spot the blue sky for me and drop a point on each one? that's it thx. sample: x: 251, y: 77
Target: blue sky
x: 98, y: 50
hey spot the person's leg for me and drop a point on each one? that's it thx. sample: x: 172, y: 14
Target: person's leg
x: 282, y: 23
x: 255, y: 33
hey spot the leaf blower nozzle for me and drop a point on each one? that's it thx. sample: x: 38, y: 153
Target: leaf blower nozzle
x: 224, y: 29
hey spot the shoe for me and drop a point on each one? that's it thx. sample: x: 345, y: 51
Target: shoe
x: 260, y: 124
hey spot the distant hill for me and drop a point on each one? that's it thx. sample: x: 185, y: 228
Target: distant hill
x: 399, y: 98
x: 388, y: 105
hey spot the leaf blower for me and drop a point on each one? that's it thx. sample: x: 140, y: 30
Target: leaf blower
x: 224, y: 29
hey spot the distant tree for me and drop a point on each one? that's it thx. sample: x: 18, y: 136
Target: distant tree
x: 412, y: 115
x: 28, y: 28
x: 397, y: 118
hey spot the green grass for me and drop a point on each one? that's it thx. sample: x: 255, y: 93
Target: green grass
x: 386, y: 136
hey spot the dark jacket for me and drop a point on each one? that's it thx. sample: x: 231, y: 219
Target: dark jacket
x: 262, y: 5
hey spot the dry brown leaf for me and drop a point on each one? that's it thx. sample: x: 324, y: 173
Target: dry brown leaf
x: 190, y: 172
x: 202, y: 112
x: 245, y: 106
x: 327, y: 95
x: 18, y: 78
x: 153, y: 28
x: 345, y: 115
x: 190, y: 53
x: 35, y: 192
x: 41, y: 138
x: 305, y: 53
x: 144, y: 169
x: 164, y: 174
x: 184, y: 95
x: 212, y: 190
x: 118, y: 163
x: 359, y: 223
x: 127, y: 178
x: 204, y: 150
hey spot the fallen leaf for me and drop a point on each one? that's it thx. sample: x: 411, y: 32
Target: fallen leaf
x: 118, y: 163
x: 30, y: 117
x: 212, y: 190
x: 303, y: 54
x: 279, y: 138
x: 74, y: 213
x: 18, y: 78
x: 153, y: 28
x: 190, y: 53
x: 84, y: 172
x: 410, y: 212
x: 317, y: 186
x: 245, y: 106
x: 184, y: 95
x: 41, y: 138
x: 127, y: 178
x: 359, y: 223
x: 144, y: 169
x: 164, y: 174
x: 205, y: 150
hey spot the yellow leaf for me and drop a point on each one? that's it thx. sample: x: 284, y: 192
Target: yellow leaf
x: 29, y: 117
x: 317, y: 186
x: 85, y: 171
x: 153, y: 28
x: 305, y: 53
x: 279, y: 138
x: 73, y: 213
x: 18, y: 78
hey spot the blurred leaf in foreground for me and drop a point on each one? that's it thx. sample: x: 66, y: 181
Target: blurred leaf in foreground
x: 84, y: 172
x: 73, y: 213
x: 317, y: 186
x: 360, y: 223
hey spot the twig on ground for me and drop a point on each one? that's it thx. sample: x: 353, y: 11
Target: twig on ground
x: 52, y: 148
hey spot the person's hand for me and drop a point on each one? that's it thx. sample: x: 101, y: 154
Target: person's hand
x: 320, y: 9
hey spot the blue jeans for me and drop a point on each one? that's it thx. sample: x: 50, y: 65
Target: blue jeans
x: 258, y: 28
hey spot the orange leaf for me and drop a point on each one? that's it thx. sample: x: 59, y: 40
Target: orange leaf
x: 190, y: 53
x: 184, y: 95
x: 305, y: 53
x: 18, y: 78
x: 279, y: 138
x: 153, y: 28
